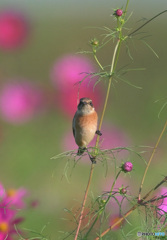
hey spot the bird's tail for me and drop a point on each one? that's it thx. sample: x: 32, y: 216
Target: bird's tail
x: 81, y: 151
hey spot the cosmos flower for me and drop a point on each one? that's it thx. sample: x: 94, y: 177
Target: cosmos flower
x: 14, y: 29
x: 163, y: 203
x: 10, y: 202
x: 66, y: 73
x: 19, y: 101
x: 67, y: 102
x: 69, y: 70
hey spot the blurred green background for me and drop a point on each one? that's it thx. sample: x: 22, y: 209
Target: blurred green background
x: 62, y: 27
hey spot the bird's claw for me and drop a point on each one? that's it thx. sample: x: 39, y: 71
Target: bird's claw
x: 98, y: 132
x: 93, y: 160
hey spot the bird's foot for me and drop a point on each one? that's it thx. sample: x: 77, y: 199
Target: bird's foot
x: 98, y: 132
x: 81, y: 151
x: 93, y: 159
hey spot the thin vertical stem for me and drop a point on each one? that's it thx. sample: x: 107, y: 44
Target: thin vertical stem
x: 149, y: 162
x: 97, y: 142
x: 108, y: 90
x: 113, y: 66
x: 84, y: 201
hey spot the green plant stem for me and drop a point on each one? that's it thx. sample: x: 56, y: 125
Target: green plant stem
x: 95, y: 57
x: 90, y: 229
x: 113, y: 66
x: 110, y: 193
x: 84, y: 201
x: 149, y: 162
x: 132, y: 209
x: 130, y: 34
x: 126, y: 8
x: 97, y: 141
x: 108, y: 91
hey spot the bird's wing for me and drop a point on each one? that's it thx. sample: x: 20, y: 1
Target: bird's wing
x: 73, y: 125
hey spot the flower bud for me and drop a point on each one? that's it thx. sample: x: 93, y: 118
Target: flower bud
x: 118, y: 12
x: 122, y: 190
x: 127, y: 167
x: 94, y: 42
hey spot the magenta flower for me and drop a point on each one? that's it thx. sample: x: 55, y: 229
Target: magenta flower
x: 19, y: 102
x: 7, y: 228
x: 66, y: 73
x: 10, y: 201
x: 163, y: 203
x: 66, y: 100
x: 127, y: 167
x: 15, y: 197
x: 14, y: 29
x: 69, y: 70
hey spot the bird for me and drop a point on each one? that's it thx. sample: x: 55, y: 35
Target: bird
x: 84, y: 125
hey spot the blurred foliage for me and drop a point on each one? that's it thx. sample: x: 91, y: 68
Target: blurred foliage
x: 26, y: 149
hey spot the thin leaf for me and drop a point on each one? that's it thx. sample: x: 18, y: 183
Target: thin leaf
x: 150, y: 48
x: 64, y: 154
x: 129, y: 83
x: 128, y: 51
x: 163, y: 106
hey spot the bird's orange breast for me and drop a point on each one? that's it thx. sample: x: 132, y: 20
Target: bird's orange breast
x: 85, y: 128
x: 86, y: 120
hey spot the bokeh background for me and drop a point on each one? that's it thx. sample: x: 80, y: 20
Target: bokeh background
x: 37, y: 109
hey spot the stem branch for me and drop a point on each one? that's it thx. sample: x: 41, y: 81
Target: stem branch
x: 131, y: 210
x: 149, y: 162
x: 84, y: 201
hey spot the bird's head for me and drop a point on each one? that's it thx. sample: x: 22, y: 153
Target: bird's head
x: 85, y: 106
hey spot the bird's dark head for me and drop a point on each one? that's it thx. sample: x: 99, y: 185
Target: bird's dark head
x: 85, y: 105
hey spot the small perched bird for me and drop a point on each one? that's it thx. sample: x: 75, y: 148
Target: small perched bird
x: 85, y: 124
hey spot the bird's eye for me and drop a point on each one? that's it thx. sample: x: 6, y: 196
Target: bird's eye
x: 91, y: 104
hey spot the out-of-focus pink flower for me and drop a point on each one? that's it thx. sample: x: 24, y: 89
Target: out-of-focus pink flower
x: 66, y: 101
x: 34, y: 203
x: 10, y: 201
x: 67, y: 72
x: 163, y: 203
x: 7, y: 228
x: 19, y: 102
x: 112, y: 137
x: 14, y: 29
x: 15, y: 197
x: 71, y: 69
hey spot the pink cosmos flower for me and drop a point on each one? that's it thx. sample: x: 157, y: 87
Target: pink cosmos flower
x: 19, y: 102
x: 66, y: 100
x: 69, y: 70
x: 14, y: 29
x: 163, y: 203
x: 10, y: 201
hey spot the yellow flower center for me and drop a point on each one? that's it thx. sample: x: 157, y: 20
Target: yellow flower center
x: 4, y: 227
x: 11, y: 192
